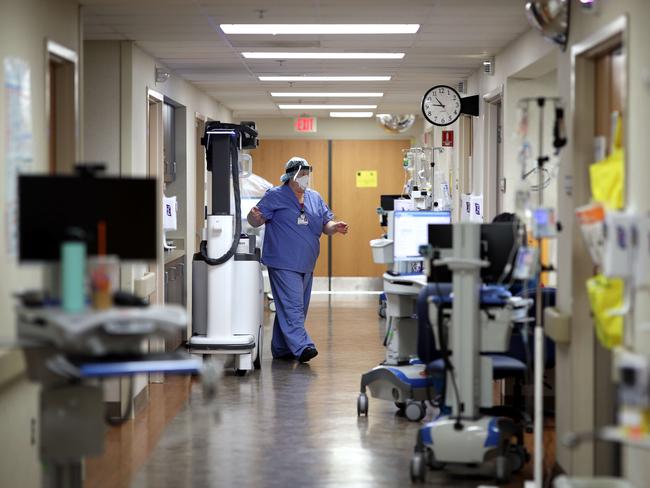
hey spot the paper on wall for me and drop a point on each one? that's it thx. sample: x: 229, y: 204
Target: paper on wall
x: 169, y: 213
x: 591, y: 219
x: 476, y: 211
x: 19, y: 141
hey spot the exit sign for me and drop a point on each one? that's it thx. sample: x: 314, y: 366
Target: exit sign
x: 305, y: 124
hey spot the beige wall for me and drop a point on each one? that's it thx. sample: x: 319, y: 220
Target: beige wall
x: 24, y: 27
x: 122, y: 141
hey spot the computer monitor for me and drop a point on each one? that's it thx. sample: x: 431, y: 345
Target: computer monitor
x: 411, y: 230
x: 499, y: 245
x: 50, y: 205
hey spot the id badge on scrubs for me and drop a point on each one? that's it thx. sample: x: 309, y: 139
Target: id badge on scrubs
x: 302, y: 219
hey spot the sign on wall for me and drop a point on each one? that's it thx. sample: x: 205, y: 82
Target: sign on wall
x: 367, y: 179
x: 19, y: 142
x: 304, y: 124
x: 447, y: 138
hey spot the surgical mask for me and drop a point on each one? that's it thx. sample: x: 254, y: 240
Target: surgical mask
x: 303, y: 182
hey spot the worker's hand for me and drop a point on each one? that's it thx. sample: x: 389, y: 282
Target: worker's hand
x: 255, y: 217
x: 342, y: 227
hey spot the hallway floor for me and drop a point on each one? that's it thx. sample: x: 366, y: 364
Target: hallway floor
x: 286, y: 425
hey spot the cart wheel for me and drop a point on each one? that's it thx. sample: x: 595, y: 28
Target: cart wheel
x: 517, y: 457
x: 257, y: 364
x: 415, y: 411
x: 240, y: 372
x: 362, y: 405
x: 502, y: 469
x: 431, y: 460
x: 418, y: 468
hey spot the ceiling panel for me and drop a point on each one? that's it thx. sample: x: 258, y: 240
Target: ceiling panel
x: 454, y: 38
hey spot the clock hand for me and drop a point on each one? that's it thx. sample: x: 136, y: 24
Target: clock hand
x: 441, y: 105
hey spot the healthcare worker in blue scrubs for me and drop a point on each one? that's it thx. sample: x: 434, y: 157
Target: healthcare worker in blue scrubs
x: 295, y: 217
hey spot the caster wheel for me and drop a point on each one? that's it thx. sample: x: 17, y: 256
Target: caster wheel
x: 431, y: 461
x: 382, y: 312
x: 240, y: 372
x: 401, y: 406
x: 362, y: 405
x: 503, y: 472
x: 517, y: 458
x: 415, y: 411
x: 257, y: 364
x: 418, y: 468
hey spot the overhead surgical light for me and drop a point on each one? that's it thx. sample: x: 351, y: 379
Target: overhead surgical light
x: 328, y: 94
x: 324, y: 78
x: 299, y: 106
x: 319, y: 29
x: 551, y: 18
x: 320, y: 55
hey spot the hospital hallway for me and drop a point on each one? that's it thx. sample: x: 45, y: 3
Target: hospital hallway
x: 286, y: 425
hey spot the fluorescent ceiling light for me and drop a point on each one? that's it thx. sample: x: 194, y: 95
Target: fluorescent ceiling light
x: 324, y: 78
x: 320, y: 55
x: 299, y: 106
x: 274, y: 29
x: 351, y: 114
x: 329, y: 94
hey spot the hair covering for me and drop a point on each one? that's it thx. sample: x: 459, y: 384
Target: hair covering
x: 293, y: 166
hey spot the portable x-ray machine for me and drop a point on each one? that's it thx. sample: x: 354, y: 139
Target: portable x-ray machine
x: 227, y: 303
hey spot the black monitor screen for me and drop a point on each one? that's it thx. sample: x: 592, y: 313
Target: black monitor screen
x: 499, y: 245
x: 50, y: 205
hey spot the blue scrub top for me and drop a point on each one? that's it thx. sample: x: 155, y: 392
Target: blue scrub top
x: 287, y: 244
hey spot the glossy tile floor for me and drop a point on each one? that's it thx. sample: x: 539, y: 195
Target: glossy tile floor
x: 291, y: 424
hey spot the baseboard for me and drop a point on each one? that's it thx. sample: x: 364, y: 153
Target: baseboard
x: 140, y: 401
x: 114, y: 409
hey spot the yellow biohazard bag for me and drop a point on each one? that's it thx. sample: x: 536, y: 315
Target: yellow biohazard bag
x: 605, y: 296
x: 608, y: 176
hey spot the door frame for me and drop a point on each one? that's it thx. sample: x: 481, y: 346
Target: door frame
x: 589, y: 382
x: 55, y: 52
x: 493, y: 152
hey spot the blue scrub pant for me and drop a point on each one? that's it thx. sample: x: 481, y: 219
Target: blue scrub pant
x: 291, y: 292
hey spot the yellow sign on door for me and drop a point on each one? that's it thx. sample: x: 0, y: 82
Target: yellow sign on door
x: 367, y: 179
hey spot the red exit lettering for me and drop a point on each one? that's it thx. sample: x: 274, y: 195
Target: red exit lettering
x: 305, y: 124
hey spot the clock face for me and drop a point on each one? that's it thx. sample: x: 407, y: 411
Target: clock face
x: 441, y: 105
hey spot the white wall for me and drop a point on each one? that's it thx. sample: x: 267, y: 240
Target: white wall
x: 528, y: 49
x: 330, y: 128
x: 24, y: 27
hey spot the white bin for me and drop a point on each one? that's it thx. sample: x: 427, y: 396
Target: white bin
x: 382, y: 251
x: 603, y: 482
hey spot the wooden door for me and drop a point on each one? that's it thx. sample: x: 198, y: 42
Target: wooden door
x: 351, y: 254
x: 269, y: 160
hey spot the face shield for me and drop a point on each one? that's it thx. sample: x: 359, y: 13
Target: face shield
x: 299, y: 171
x: 303, y: 177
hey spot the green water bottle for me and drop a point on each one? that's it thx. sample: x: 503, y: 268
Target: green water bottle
x: 73, y: 271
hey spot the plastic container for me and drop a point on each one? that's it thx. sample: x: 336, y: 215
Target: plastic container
x: 603, y: 482
x: 382, y: 251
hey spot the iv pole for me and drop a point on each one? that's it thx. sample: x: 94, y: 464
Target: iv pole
x: 538, y: 426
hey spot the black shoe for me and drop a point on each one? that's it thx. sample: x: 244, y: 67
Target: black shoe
x: 285, y: 357
x: 307, y: 354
